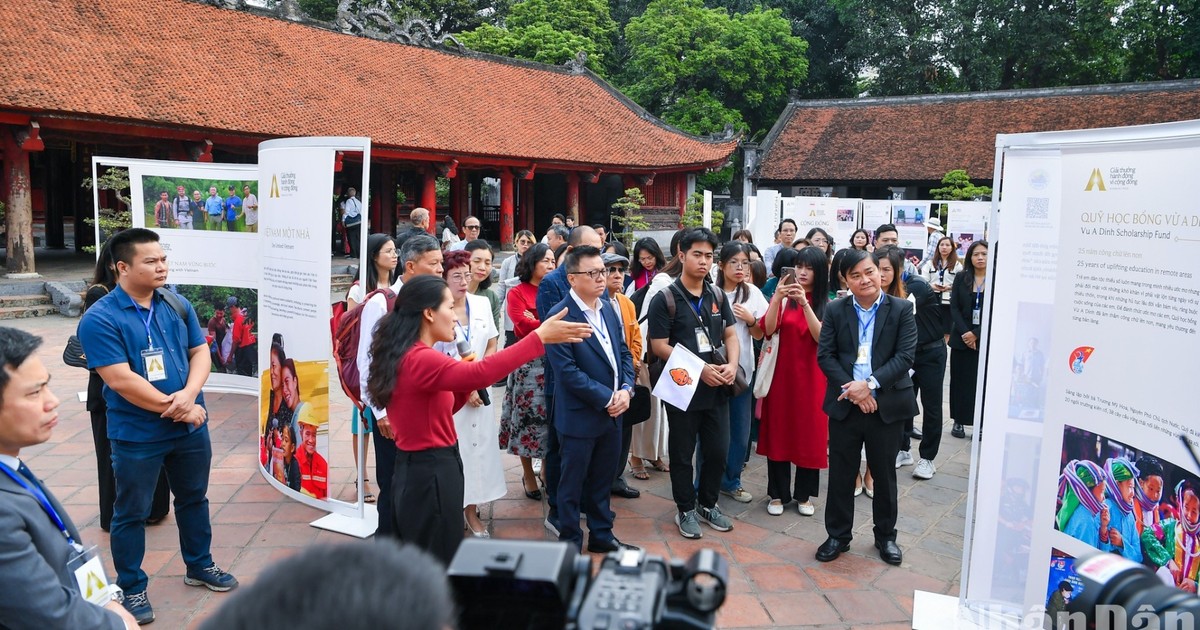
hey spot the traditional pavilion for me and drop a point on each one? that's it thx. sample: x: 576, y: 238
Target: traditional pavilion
x: 181, y: 80
x: 901, y: 147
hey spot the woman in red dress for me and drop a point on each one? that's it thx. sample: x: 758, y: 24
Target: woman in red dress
x: 792, y: 427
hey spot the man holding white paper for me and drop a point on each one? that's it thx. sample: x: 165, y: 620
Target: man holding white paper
x: 700, y: 319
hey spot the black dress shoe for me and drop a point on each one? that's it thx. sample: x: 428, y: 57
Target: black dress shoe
x: 622, y: 489
x: 890, y: 552
x: 608, y: 546
x: 958, y: 431
x: 831, y: 549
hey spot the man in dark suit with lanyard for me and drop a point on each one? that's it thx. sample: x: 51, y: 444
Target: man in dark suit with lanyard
x: 593, y: 386
x: 866, y: 349
x: 41, y: 546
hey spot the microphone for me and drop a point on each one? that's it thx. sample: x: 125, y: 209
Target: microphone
x: 468, y: 355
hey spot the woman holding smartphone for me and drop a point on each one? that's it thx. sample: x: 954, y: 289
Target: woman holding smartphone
x: 940, y: 271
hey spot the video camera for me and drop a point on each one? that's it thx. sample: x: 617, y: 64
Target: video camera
x: 1120, y: 593
x: 547, y: 585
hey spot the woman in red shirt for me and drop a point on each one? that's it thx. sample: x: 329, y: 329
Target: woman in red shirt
x: 523, y: 420
x: 422, y: 388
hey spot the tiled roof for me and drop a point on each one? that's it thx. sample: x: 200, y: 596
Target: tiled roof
x: 182, y: 64
x: 915, y: 139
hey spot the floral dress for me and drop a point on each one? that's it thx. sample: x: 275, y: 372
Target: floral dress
x: 523, y: 421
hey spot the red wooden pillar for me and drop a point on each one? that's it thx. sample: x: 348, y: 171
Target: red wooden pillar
x: 458, y: 199
x: 429, y: 194
x: 573, y: 197
x: 682, y: 190
x: 525, y: 194
x: 506, y: 209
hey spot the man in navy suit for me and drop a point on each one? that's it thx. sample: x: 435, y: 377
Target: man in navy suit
x: 593, y: 384
x: 867, y: 344
x: 551, y: 291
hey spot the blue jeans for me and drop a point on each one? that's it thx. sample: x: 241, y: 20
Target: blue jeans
x: 741, y: 408
x: 136, y: 465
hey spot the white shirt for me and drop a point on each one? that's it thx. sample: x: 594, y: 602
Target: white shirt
x: 250, y: 205
x: 351, y: 208
x: 10, y: 461
x: 459, y: 246
x: 603, y: 334
x: 373, y: 311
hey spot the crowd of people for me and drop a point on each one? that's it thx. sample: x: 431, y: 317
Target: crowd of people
x: 860, y: 336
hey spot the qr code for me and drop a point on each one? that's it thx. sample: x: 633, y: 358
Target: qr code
x: 1037, y: 208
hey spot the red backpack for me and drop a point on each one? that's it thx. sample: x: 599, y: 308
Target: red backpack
x: 345, y: 325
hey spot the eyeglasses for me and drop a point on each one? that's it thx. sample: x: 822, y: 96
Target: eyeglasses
x: 612, y: 270
x: 470, y: 227
x: 461, y: 278
x: 594, y: 274
x: 738, y: 264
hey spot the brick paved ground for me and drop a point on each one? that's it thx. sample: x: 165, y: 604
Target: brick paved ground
x: 776, y: 582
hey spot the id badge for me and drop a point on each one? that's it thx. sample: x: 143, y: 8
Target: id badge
x: 864, y: 354
x: 976, y: 315
x: 156, y: 367
x: 702, y: 342
x: 90, y: 576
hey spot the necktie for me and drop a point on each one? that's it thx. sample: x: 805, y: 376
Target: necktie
x: 28, y: 474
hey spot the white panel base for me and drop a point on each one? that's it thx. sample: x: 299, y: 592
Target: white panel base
x: 350, y: 525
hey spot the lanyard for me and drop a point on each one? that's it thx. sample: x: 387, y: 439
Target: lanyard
x: 979, y: 295
x: 45, y: 503
x: 149, y: 318
x: 862, y: 336
x: 601, y: 329
x: 466, y: 331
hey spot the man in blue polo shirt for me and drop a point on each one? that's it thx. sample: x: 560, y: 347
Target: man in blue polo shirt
x: 149, y: 349
x: 233, y: 208
x: 214, y: 209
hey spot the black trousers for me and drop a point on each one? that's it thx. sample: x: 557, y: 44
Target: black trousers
x: 847, y: 438
x: 106, y: 481
x: 385, y: 466
x: 552, y: 462
x: 427, y: 507
x: 626, y: 442
x: 929, y: 374
x: 710, y: 427
x: 353, y: 233
x: 779, y: 482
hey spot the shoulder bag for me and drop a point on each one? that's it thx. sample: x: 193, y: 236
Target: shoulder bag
x: 767, y: 359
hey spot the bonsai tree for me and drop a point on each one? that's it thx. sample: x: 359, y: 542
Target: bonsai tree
x: 629, y: 215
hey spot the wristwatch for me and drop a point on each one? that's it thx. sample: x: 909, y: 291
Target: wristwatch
x: 116, y: 593
x: 872, y: 384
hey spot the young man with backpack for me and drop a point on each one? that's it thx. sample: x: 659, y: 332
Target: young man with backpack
x: 183, y: 209
x: 702, y: 323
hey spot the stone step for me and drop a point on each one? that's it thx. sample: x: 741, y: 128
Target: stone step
x: 36, y: 299
x: 19, y: 312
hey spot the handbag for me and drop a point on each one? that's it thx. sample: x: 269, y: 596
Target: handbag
x: 766, y: 362
x: 740, y: 383
x: 639, y: 406
x: 73, y: 353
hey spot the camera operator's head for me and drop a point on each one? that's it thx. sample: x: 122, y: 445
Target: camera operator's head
x: 357, y: 586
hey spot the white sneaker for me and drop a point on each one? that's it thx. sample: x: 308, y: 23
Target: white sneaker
x: 904, y: 458
x: 806, y: 508
x: 925, y: 469
x: 739, y: 495
x: 775, y: 507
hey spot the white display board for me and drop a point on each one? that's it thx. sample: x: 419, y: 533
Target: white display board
x: 966, y: 222
x: 207, y: 260
x: 1089, y: 308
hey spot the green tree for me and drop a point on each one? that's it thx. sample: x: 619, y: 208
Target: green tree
x: 111, y: 220
x: 958, y: 187
x: 1162, y: 39
x: 693, y: 214
x: 685, y: 59
x: 550, y: 31
x: 629, y: 215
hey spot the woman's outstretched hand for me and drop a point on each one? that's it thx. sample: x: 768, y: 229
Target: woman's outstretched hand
x: 555, y: 330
